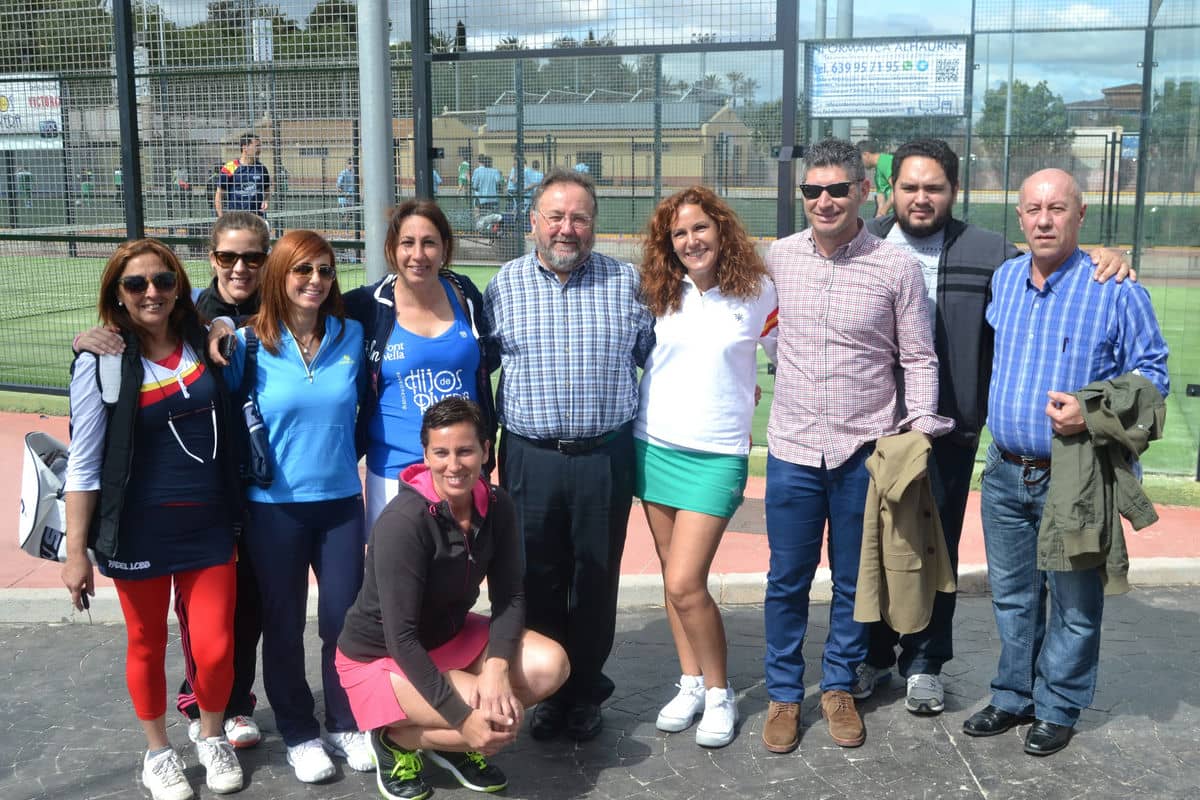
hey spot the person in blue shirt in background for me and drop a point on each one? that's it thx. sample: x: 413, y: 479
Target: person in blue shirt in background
x: 485, y: 186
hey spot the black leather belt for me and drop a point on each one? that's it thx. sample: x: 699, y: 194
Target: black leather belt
x: 1026, y: 461
x: 571, y: 447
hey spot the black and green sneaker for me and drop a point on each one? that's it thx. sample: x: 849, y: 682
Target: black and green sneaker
x: 397, y: 771
x: 470, y: 769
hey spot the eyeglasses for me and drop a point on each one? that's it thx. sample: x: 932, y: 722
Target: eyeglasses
x: 812, y: 191
x: 227, y: 259
x: 305, y: 270
x: 137, y: 284
x: 581, y: 221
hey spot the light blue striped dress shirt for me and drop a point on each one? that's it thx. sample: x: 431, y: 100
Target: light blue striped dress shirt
x: 569, y: 351
x: 1060, y: 338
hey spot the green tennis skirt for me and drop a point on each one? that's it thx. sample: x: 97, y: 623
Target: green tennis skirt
x: 710, y: 483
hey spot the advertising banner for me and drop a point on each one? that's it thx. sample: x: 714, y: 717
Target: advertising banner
x: 30, y: 107
x: 864, y: 78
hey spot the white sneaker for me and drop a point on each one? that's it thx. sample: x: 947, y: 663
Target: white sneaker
x: 720, y: 718
x: 924, y: 694
x: 163, y: 776
x: 678, y: 714
x: 242, y: 731
x: 353, y: 746
x: 866, y: 678
x: 194, y: 731
x: 223, y: 772
x: 310, y: 762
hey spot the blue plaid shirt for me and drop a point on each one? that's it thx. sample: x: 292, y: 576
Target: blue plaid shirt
x: 1061, y: 338
x: 569, y: 351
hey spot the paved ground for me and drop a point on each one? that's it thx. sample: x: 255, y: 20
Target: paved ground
x: 66, y: 729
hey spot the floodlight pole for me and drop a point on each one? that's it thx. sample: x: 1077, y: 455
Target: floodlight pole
x: 376, y: 175
x: 787, y: 36
x: 845, y: 30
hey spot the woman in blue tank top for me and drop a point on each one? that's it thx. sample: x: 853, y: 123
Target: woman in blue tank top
x: 421, y: 328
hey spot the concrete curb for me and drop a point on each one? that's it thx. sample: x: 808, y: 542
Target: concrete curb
x: 24, y: 606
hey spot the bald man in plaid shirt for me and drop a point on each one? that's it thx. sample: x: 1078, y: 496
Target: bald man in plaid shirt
x: 852, y: 309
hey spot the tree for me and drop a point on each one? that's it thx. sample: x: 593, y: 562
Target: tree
x: 1036, y: 111
x: 1175, y: 135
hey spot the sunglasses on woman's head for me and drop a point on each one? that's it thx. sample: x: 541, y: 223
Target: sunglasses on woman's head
x: 137, y: 284
x: 226, y: 259
x: 304, y: 270
x: 812, y: 191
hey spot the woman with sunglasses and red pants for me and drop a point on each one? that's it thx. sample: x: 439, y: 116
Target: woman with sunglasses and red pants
x: 309, y: 368
x: 153, y: 489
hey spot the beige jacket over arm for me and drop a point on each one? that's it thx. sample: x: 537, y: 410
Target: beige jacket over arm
x: 904, y: 557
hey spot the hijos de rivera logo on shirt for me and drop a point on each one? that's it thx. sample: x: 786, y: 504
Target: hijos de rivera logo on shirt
x: 426, y: 386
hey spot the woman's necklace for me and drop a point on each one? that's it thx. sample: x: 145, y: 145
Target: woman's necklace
x: 308, y: 348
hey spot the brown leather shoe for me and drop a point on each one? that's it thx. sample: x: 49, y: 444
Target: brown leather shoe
x: 845, y: 725
x: 781, y: 734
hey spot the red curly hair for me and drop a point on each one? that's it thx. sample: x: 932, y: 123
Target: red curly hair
x: 739, y: 271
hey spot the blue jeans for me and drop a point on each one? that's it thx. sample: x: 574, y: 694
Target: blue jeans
x: 284, y: 540
x: 1048, y: 662
x: 799, y: 501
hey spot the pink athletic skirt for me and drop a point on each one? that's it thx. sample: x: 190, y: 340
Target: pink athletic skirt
x: 368, y: 684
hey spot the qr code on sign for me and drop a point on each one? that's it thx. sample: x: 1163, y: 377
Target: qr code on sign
x: 947, y: 70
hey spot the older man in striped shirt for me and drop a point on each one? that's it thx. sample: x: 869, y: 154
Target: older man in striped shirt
x: 852, y: 312
x: 1056, y: 331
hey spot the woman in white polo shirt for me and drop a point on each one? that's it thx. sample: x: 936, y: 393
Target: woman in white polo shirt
x: 714, y: 305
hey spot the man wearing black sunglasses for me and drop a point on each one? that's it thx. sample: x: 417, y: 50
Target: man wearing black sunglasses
x: 851, y: 308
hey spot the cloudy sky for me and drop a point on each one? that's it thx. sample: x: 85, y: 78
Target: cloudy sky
x: 1076, y: 66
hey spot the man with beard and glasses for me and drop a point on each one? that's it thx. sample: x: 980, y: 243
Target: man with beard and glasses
x: 957, y: 260
x: 568, y: 329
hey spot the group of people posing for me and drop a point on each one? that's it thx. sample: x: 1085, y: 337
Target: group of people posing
x: 876, y: 329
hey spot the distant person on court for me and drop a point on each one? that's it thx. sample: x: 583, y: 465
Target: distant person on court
x: 347, y: 185
x: 713, y: 306
x: 464, y: 177
x: 25, y: 186
x: 426, y: 676
x: 485, y: 186
x: 245, y: 181
x: 874, y: 158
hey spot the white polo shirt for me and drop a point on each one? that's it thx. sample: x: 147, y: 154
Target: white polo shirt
x: 697, y: 390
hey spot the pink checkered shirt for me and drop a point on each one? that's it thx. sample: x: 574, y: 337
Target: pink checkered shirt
x: 845, y: 324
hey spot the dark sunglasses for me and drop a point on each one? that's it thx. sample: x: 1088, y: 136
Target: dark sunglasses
x: 137, y: 284
x: 304, y: 270
x: 812, y: 191
x: 227, y: 259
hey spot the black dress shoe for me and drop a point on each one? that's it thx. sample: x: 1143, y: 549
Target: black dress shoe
x: 1045, y: 738
x: 547, y: 720
x: 583, y: 721
x: 991, y: 721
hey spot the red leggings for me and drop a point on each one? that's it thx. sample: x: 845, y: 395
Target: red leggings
x: 204, y: 609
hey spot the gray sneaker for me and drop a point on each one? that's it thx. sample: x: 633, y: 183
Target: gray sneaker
x: 925, y: 695
x: 866, y: 678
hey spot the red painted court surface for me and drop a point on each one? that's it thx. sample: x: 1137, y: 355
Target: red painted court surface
x: 1175, y: 535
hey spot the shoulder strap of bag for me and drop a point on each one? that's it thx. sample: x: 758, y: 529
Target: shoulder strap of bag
x: 250, y: 366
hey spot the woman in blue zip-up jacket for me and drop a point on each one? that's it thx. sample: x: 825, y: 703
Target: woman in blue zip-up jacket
x: 306, y: 383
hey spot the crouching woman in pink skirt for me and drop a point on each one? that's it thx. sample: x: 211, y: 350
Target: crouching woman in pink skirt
x: 423, y: 674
